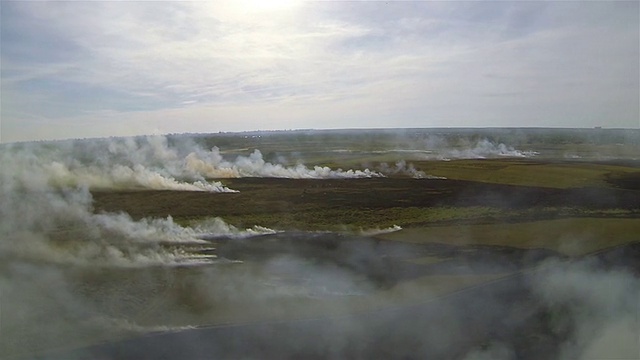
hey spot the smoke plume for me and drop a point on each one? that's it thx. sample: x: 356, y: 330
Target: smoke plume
x: 444, y: 149
x: 402, y: 168
x: 70, y: 276
x: 148, y: 163
x: 50, y: 235
x: 596, y: 309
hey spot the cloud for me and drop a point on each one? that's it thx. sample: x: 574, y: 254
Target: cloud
x: 395, y: 64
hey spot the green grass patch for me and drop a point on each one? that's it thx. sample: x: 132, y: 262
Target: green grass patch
x: 525, y: 172
x: 570, y: 236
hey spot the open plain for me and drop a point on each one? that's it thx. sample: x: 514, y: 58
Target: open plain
x: 471, y: 250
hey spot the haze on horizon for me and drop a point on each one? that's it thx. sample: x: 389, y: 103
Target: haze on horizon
x: 96, y: 69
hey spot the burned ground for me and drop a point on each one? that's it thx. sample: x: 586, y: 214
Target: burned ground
x: 527, y: 249
x: 278, y: 199
x: 499, y: 319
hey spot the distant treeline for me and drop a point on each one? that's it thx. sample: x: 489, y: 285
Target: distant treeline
x: 413, y: 138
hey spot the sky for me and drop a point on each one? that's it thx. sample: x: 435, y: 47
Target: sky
x: 84, y: 69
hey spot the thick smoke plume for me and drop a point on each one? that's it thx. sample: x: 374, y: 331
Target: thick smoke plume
x: 596, y: 309
x: 212, y: 164
x: 149, y: 163
x: 50, y: 235
x: 58, y: 259
x: 42, y: 220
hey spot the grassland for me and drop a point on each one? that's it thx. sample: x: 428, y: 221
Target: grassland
x: 560, y: 174
x: 490, y: 219
x: 569, y: 207
x: 569, y: 236
x: 487, y: 191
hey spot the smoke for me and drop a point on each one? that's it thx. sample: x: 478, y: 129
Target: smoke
x: 59, y: 227
x: 150, y: 163
x: 494, y: 351
x: 485, y: 148
x: 402, y: 168
x: 442, y: 148
x: 50, y: 235
x: 44, y: 221
x: 597, y: 310
x: 211, y: 164
x: 436, y: 147
x: 107, y: 164
x: 378, y: 231
x: 70, y: 276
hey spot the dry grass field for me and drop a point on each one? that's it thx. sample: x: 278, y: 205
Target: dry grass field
x: 487, y: 248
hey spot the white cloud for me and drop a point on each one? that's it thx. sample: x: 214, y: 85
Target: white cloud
x: 218, y: 67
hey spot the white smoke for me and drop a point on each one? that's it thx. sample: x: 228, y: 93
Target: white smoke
x: 120, y: 176
x: 312, y: 280
x: 439, y: 147
x: 494, y: 351
x: 485, y: 149
x: 443, y: 149
x: 50, y: 233
x: 50, y: 236
x: 216, y: 227
x: 60, y: 228
x: 211, y: 164
x: 597, y: 308
x: 150, y: 163
x: 402, y: 168
x: 46, y: 212
x: 117, y: 164
x: 378, y: 231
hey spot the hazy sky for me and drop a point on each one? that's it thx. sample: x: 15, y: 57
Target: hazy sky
x: 87, y: 69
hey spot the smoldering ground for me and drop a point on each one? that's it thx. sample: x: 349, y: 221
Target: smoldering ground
x: 70, y: 277
x: 336, y: 296
x: 564, y: 310
x: 51, y: 238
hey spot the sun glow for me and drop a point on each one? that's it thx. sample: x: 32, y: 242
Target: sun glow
x: 266, y: 5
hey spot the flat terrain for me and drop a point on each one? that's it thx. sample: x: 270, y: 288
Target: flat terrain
x: 438, y: 316
x: 483, y: 234
x: 488, y: 257
x: 568, y: 236
x: 308, y: 204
